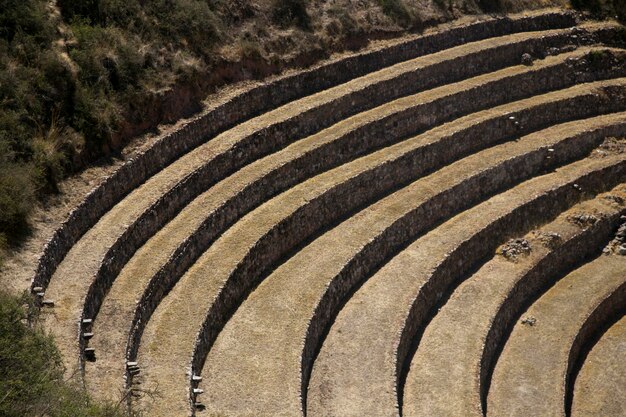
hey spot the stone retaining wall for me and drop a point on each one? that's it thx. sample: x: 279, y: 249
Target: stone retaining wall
x: 255, y: 101
x: 282, y: 238
x: 354, y: 143
x: 609, y: 311
x: 444, y: 205
x: 289, y: 233
x: 588, y: 243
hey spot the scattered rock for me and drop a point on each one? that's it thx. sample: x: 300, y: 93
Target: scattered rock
x: 610, y: 146
x: 618, y: 244
x: 529, y: 321
x: 615, y: 200
x: 553, y: 51
x: 549, y: 239
x: 515, y: 248
x: 583, y: 220
x: 527, y: 60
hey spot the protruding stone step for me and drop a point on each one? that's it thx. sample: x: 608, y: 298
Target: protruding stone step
x: 90, y: 354
x: 47, y: 303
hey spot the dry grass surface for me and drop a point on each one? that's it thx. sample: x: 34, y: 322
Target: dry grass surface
x: 257, y: 316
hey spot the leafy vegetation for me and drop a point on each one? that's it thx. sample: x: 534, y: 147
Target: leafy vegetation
x: 31, y: 372
x: 397, y: 10
x: 66, y: 83
x: 291, y: 12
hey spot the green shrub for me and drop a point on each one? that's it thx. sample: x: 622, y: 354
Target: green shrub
x: 17, y: 196
x: 397, y: 10
x: 49, y: 163
x: 349, y: 26
x: 443, y: 4
x: 291, y: 12
x: 191, y: 21
x: 25, y: 16
x: 72, y: 9
x: 31, y: 371
x: 597, y: 58
x: 4, y: 246
x: 620, y: 9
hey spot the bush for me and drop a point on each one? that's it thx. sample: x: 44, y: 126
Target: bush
x: 17, y: 196
x: 31, y: 371
x: 291, y: 12
x: 190, y: 21
x: 4, y: 246
x: 25, y: 16
x: 72, y: 9
x: 397, y: 10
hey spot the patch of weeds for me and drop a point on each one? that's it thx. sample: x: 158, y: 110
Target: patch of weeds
x: 443, y: 4
x: 348, y: 25
x: 550, y: 240
x: 249, y: 48
x: 4, y: 246
x: 17, y: 196
x: 597, y: 58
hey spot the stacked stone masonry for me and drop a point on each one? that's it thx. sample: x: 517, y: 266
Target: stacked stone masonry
x: 399, y: 170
